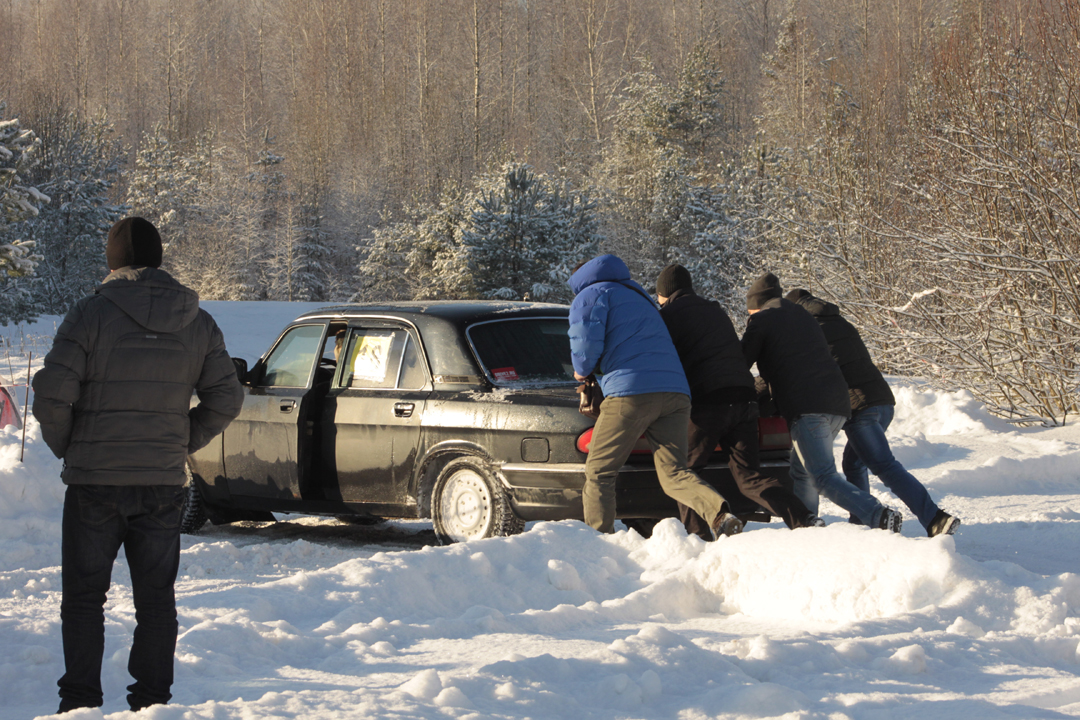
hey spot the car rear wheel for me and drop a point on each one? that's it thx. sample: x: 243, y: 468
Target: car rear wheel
x: 193, y: 516
x: 468, y: 503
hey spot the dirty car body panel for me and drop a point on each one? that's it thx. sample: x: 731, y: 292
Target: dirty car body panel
x: 364, y: 409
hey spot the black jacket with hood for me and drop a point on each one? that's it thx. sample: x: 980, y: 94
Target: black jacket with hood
x: 866, y: 386
x: 709, y: 349
x: 114, y: 397
x: 792, y: 356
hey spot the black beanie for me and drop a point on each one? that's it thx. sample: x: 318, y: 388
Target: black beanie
x: 797, y: 294
x: 672, y: 278
x: 133, y: 241
x: 764, y: 289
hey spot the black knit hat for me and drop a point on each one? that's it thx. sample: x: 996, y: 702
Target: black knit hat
x: 765, y: 288
x: 133, y: 241
x: 672, y: 278
x: 797, y: 294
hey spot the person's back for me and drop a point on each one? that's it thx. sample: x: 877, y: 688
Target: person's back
x: 113, y: 400
x: 708, y: 347
x: 616, y: 331
x: 793, y: 357
x: 866, y: 385
x: 148, y: 341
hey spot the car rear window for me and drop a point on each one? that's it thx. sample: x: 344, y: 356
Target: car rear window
x: 524, y: 351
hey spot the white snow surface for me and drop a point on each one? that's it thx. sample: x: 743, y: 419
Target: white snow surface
x: 312, y: 618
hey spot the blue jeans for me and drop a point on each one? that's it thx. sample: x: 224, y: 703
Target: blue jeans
x: 868, y: 448
x: 813, y: 469
x: 98, y: 519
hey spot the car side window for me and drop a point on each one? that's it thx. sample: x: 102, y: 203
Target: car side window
x: 373, y: 357
x: 290, y: 363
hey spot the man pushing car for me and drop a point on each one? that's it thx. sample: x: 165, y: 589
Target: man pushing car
x: 616, y: 331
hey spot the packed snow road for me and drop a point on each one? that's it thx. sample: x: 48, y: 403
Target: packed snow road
x: 315, y: 618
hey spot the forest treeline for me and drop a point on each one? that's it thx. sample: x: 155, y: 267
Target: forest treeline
x: 915, y: 161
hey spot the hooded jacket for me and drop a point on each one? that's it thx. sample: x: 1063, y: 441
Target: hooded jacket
x: 792, y: 356
x: 709, y: 349
x: 866, y: 385
x: 114, y: 396
x: 616, y: 332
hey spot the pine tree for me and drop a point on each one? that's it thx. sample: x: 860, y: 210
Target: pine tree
x: 310, y: 263
x: 525, y: 236
x: 421, y: 257
x: 19, y: 149
x: 80, y: 163
x: 656, y: 171
x: 168, y: 187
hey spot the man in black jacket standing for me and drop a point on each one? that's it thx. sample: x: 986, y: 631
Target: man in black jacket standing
x: 872, y: 406
x: 114, y: 402
x: 793, y: 358
x: 724, y: 403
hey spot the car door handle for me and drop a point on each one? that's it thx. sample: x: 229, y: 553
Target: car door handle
x: 287, y: 406
x: 403, y: 409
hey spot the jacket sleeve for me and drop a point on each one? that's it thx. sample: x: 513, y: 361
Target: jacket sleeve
x: 588, y: 326
x: 58, y: 384
x: 221, y: 396
x: 752, y: 341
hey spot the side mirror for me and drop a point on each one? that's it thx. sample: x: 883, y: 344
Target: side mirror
x: 255, y: 375
x: 241, y: 368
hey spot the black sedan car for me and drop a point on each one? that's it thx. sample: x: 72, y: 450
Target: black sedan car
x: 464, y: 412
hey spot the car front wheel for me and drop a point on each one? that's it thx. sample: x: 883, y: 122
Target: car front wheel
x: 468, y: 503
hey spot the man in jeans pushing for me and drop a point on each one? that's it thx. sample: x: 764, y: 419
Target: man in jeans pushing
x: 114, y: 402
x: 616, y: 330
x: 872, y: 405
x: 793, y: 358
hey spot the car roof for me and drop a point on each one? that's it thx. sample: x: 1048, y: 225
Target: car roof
x: 456, y: 311
x: 442, y: 325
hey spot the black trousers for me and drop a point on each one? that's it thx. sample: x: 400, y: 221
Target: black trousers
x: 97, y: 521
x: 734, y: 427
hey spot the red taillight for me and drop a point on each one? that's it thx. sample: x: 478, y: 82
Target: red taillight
x: 641, y: 447
x: 773, y: 433
x: 583, y: 441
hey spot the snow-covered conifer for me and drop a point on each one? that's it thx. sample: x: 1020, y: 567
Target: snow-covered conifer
x: 422, y: 256
x: 79, y: 164
x: 19, y: 149
x: 525, y: 236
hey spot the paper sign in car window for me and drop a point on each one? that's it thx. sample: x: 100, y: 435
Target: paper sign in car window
x: 506, y: 374
x: 371, y: 358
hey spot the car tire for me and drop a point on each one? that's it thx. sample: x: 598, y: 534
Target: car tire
x: 468, y: 503
x: 193, y: 516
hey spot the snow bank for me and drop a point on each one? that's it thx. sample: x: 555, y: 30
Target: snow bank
x: 837, y: 623
x: 923, y: 411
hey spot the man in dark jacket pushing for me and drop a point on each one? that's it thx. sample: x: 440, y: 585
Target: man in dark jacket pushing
x: 793, y: 358
x: 723, y: 400
x: 114, y: 402
x: 872, y: 405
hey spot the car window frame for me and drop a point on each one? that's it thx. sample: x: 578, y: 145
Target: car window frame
x: 375, y: 322
x: 314, y: 365
x: 487, y: 372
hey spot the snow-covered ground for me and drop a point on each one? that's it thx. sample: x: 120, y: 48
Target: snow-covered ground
x: 311, y: 618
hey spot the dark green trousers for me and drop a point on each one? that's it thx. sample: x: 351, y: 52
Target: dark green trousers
x: 663, y: 419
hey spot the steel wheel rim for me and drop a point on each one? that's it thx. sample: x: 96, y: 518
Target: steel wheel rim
x: 465, y: 505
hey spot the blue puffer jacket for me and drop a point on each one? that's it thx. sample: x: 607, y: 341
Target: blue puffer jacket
x: 616, y: 331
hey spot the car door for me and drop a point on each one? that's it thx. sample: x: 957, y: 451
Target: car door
x: 263, y: 453
x: 371, y: 421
